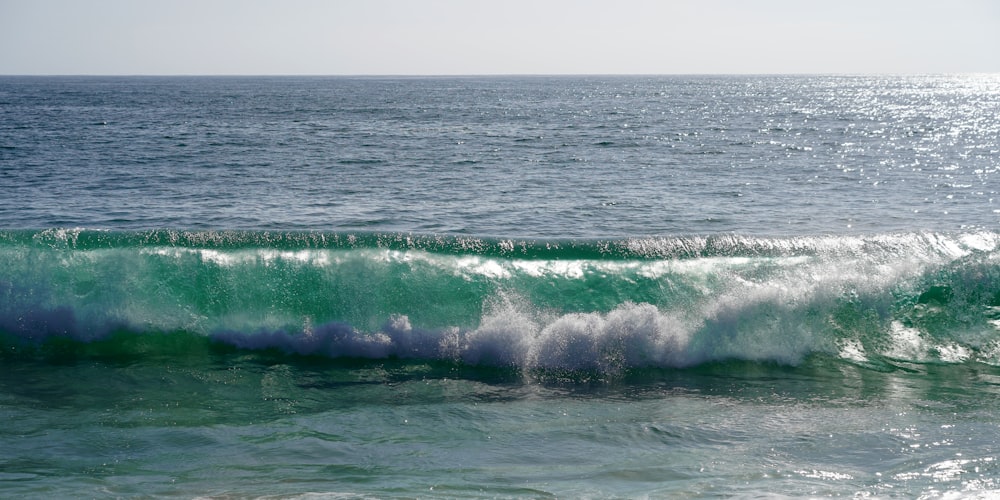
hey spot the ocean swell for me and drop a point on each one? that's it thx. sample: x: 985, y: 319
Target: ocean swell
x: 602, y: 306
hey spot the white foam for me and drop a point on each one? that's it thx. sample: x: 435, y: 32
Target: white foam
x: 906, y: 343
x: 853, y: 350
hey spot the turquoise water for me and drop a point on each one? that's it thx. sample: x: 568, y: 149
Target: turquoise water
x: 604, y: 307
x: 231, y: 424
x: 493, y: 287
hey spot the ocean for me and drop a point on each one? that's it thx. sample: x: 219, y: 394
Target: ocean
x: 500, y: 287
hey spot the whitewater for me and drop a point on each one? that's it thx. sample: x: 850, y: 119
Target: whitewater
x: 499, y: 287
x: 598, y: 306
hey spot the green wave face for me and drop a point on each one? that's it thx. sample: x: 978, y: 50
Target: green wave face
x: 560, y: 304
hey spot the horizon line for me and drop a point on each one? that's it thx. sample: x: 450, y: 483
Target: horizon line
x: 491, y: 75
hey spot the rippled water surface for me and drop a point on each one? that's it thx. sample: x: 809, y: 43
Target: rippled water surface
x: 561, y: 156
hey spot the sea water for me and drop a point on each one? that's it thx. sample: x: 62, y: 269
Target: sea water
x: 583, y: 287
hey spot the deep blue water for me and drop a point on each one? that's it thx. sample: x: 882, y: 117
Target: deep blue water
x: 540, y: 157
x: 500, y: 286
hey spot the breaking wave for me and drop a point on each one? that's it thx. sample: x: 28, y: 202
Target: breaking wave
x: 605, y: 306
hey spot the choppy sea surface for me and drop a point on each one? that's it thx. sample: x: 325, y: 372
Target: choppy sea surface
x: 494, y: 287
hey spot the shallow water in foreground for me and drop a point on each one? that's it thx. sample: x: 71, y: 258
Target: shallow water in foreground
x: 225, y: 423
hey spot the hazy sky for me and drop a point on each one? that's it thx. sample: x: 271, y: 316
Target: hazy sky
x: 435, y: 37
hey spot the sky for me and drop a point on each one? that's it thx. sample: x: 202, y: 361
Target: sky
x: 475, y: 37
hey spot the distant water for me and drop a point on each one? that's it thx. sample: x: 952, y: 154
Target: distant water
x: 500, y: 287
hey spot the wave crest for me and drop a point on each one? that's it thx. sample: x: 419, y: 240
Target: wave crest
x: 923, y: 297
